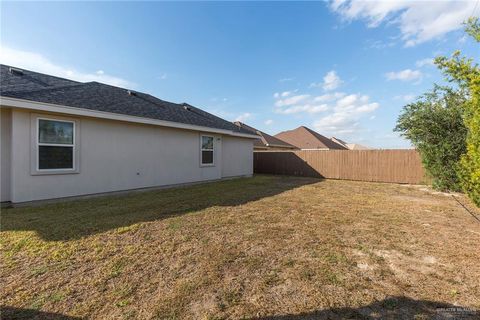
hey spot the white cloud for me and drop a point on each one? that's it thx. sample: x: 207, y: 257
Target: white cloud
x: 286, y: 79
x: 163, y: 76
x: 424, y: 62
x: 36, y: 62
x: 308, y: 108
x: 418, y: 21
x: 329, y: 97
x: 268, y: 122
x: 348, y: 111
x: 289, y: 101
x: 243, y: 117
x: 462, y: 39
x: 303, y: 103
x: 404, y: 75
x: 341, y: 113
x: 406, y: 98
x: 331, y: 81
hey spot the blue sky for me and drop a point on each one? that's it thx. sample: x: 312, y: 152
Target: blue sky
x: 344, y: 69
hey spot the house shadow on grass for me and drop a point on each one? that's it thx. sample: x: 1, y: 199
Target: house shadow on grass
x: 69, y: 220
x: 390, y: 308
x: 13, y: 313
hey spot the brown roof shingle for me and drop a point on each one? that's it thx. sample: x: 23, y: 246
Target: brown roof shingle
x: 305, y: 138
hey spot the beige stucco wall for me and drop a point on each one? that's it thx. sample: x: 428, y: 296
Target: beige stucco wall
x: 5, y: 154
x: 116, y: 156
x: 237, y: 156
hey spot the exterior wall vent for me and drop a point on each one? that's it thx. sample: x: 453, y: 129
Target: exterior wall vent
x: 16, y: 71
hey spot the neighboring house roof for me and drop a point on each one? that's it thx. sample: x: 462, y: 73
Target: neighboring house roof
x: 340, y: 141
x: 38, y: 87
x: 356, y: 146
x: 350, y: 146
x: 265, y: 141
x: 305, y: 138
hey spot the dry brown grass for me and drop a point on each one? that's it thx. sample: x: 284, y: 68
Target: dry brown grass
x: 265, y: 247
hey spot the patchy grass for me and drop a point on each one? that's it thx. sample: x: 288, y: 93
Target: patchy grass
x: 265, y: 247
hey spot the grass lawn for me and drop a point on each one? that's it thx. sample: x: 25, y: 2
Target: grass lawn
x: 266, y: 247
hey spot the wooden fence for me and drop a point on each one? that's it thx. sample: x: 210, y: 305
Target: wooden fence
x: 397, y: 166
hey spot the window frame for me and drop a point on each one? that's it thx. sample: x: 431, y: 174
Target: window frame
x: 35, y: 150
x: 212, y: 164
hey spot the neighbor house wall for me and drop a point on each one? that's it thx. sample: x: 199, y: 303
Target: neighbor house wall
x: 237, y: 156
x: 5, y: 153
x: 115, y: 155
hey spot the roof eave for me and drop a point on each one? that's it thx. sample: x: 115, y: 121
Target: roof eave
x: 48, y: 107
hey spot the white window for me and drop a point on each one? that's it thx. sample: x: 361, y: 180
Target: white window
x: 206, y: 150
x: 55, y: 145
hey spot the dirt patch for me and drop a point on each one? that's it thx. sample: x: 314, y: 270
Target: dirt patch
x: 417, y: 199
x: 405, y: 266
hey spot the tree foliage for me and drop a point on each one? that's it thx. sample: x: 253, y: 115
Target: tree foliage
x: 466, y: 73
x: 435, y: 126
x: 444, y: 124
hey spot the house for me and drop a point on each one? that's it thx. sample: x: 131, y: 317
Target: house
x: 356, y: 146
x: 266, y: 141
x: 62, y: 138
x: 307, y: 139
x: 350, y: 146
x: 339, y: 141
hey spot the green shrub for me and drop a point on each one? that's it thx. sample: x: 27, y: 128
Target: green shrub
x: 435, y: 126
x: 470, y: 162
x: 466, y: 74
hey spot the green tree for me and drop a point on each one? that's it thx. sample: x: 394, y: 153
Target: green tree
x: 466, y: 73
x: 435, y: 126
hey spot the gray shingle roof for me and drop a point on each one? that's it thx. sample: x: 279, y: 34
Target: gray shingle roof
x: 97, y: 96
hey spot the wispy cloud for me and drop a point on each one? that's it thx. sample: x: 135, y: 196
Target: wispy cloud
x: 268, y: 122
x: 286, y: 79
x: 380, y: 44
x: 36, y: 62
x: 406, y: 98
x: 299, y: 108
x: 404, y: 75
x: 329, y: 97
x: 424, y: 62
x: 286, y: 103
x: 244, y: 117
x: 163, y: 76
x: 418, y: 21
x: 288, y: 100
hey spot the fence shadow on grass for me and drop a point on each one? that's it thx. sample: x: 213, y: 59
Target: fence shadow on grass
x: 283, y: 163
x: 390, y: 308
x: 13, y: 313
x: 75, y: 219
